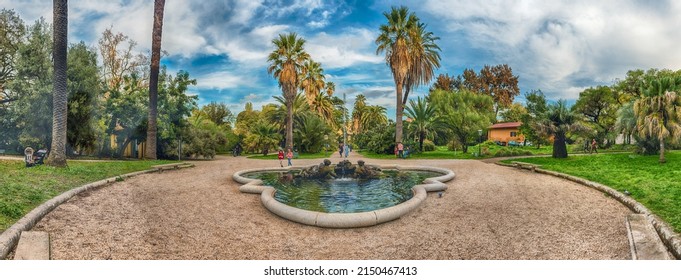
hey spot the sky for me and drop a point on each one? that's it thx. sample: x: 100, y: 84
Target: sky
x: 559, y: 47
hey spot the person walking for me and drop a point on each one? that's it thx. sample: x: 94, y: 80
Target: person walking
x: 346, y: 149
x: 281, y: 157
x: 594, y: 145
x: 289, y: 156
x: 340, y: 149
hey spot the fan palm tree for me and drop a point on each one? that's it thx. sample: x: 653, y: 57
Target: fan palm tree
x: 626, y: 121
x: 299, y: 109
x: 263, y: 136
x: 324, y: 108
x: 423, y: 120
x: 57, y: 156
x: 373, y: 116
x: 658, y: 111
x: 330, y: 88
x: 312, y: 82
x: 150, y: 152
x: 357, y: 111
x: 395, y: 40
x: 425, y: 57
x: 286, y: 64
x: 559, y: 120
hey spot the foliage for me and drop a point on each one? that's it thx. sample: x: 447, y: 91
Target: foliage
x: 12, y: 32
x: 462, y: 113
x: 428, y: 146
x: 263, y: 137
x: 379, y: 139
x: 202, y: 140
x: 599, y: 106
x: 310, y: 134
x: 84, y: 88
x: 654, y: 185
x: 496, y: 81
x: 423, y: 122
x: 446, y: 83
x: 559, y: 121
x: 514, y: 113
x: 536, y: 112
x: 658, y: 112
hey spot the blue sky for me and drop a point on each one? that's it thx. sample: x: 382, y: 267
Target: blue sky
x: 560, y: 47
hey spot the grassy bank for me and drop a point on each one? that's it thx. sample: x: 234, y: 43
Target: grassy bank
x: 22, y: 189
x: 657, y: 186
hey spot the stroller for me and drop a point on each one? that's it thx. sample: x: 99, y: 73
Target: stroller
x: 39, y: 156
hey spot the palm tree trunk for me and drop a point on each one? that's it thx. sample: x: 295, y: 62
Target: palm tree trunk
x: 289, y: 122
x: 398, y: 115
x: 421, y: 138
x: 153, y: 79
x: 57, y: 155
x: 559, y: 148
x: 662, y: 159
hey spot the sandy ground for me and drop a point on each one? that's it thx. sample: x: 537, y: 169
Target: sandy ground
x: 489, y: 212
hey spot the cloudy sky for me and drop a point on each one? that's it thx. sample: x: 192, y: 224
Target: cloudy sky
x: 560, y: 47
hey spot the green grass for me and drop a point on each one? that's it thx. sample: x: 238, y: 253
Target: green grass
x: 300, y: 155
x: 657, y: 186
x: 22, y: 189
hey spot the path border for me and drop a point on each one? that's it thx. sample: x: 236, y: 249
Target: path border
x: 344, y: 220
x: 670, y: 239
x: 10, y: 237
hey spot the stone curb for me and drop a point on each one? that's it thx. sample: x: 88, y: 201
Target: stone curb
x: 670, y: 239
x: 343, y: 220
x: 10, y: 237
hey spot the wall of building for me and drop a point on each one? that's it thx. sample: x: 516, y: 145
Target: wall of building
x: 504, y: 135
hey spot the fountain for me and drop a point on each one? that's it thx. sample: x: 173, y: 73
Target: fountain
x: 343, y: 195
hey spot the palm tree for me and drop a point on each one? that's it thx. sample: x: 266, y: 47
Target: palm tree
x: 373, y: 116
x: 299, y: 109
x: 658, y: 111
x: 57, y: 156
x: 395, y: 40
x: 311, y: 133
x: 153, y: 78
x: 559, y: 120
x: 312, y: 82
x: 626, y: 121
x: 286, y: 65
x: 330, y: 88
x: 357, y: 111
x: 423, y: 120
x: 425, y: 59
x: 263, y: 136
x: 324, y: 107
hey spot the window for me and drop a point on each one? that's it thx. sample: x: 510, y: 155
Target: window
x: 514, y: 134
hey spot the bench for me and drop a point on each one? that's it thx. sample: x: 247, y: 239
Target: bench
x: 170, y: 166
x: 525, y: 165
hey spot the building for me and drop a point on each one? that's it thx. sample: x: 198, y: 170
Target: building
x: 505, y: 133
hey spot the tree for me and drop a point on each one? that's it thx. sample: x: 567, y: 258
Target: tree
x: 57, y: 155
x: 12, y: 31
x: 446, y: 83
x: 357, y: 111
x: 394, y: 39
x: 536, y: 112
x: 599, y: 106
x: 496, y: 81
x: 311, y: 133
x: 323, y: 106
x: 374, y: 116
x: 263, y: 136
x: 425, y: 59
x: 462, y: 113
x: 153, y: 78
x: 286, y: 65
x: 423, y: 120
x: 658, y: 111
x: 312, y: 82
x: 514, y: 113
x: 84, y: 89
x: 558, y: 122
x: 330, y: 88
x: 218, y: 113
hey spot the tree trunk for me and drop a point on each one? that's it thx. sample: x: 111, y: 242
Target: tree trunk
x: 153, y: 79
x: 559, y: 148
x: 421, y: 137
x: 398, y: 115
x: 289, y: 123
x: 662, y: 159
x: 57, y: 155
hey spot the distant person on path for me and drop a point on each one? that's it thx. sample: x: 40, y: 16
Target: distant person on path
x: 289, y: 156
x: 347, y: 150
x: 400, y: 150
x: 587, y: 146
x: 340, y: 149
x: 594, y: 145
x: 281, y: 157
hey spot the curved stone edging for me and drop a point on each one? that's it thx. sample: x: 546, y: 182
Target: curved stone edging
x: 671, y: 239
x: 10, y: 237
x: 344, y: 220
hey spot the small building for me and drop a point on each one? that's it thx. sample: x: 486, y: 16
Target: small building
x: 504, y: 133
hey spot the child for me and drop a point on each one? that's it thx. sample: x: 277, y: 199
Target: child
x: 289, y: 156
x: 281, y: 157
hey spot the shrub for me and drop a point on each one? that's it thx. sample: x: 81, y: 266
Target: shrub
x: 503, y: 152
x: 454, y: 145
x: 428, y: 146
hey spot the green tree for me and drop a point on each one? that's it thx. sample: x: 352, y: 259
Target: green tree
x: 657, y: 111
x: 395, y: 39
x: 514, y: 113
x: 373, y: 116
x: 324, y: 107
x: 357, y: 111
x: 425, y: 56
x: 157, y: 31
x: 84, y: 89
x: 423, y: 120
x: 263, y: 136
x: 174, y: 108
x: 286, y: 65
x: 12, y: 31
x: 462, y: 113
x: 496, y: 81
x: 536, y: 106
x: 312, y: 82
x: 311, y: 132
x: 218, y: 113
x: 599, y: 106
x: 558, y: 122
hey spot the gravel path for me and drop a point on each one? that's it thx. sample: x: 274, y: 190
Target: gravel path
x: 489, y: 212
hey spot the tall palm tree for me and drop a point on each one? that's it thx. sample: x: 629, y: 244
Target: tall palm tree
x: 626, y: 121
x: 330, y: 88
x: 658, y: 111
x: 312, y: 82
x: 559, y: 120
x: 373, y: 116
x: 324, y: 107
x: 425, y: 59
x: 357, y: 111
x: 423, y: 120
x: 57, y: 156
x: 286, y: 65
x: 150, y: 152
x: 395, y: 39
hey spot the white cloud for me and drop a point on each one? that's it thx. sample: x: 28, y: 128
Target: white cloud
x: 353, y: 47
x: 222, y: 79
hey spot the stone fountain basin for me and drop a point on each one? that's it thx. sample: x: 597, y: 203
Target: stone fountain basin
x: 344, y: 220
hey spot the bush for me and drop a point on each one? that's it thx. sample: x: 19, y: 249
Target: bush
x: 428, y: 146
x: 454, y: 145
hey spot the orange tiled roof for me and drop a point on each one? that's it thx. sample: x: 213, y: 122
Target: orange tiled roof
x: 506, y: 125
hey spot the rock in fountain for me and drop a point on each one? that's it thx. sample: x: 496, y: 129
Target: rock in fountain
x: 344, y: 169
x: 367, y: 171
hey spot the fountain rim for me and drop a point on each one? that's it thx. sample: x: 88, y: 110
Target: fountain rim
x: 343, y: 220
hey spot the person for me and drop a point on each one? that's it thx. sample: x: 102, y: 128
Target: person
x: 594, y: 145
x: 400, y: 150
x: 340, y: 149
x: 347, y: 150
x: 587, y: 146
x: 281, y: 157
x: 289, y: 156
x: 406, y: 152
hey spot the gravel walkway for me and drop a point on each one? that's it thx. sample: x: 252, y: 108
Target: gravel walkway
x: 489, y: 212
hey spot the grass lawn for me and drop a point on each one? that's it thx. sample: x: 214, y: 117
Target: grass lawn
x: 657, y: 186
x: 22, y: 189
x: 300, y: 155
